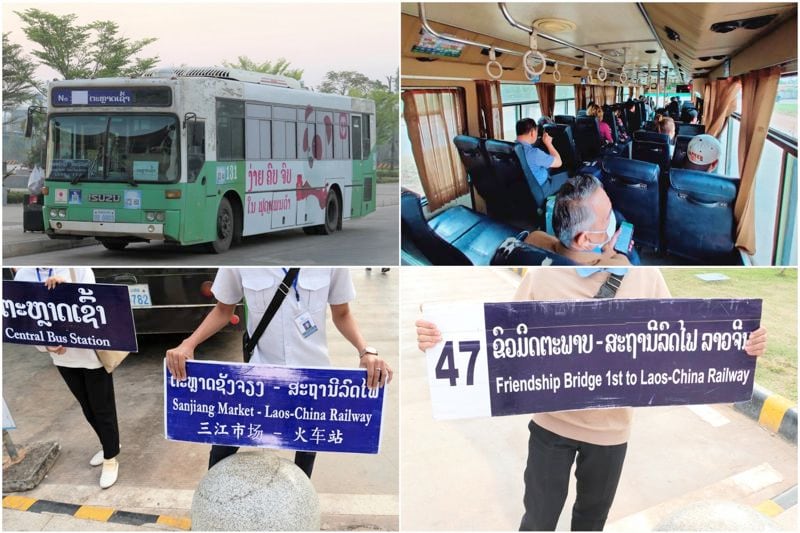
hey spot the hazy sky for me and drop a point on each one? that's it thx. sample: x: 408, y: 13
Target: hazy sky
x: 317, y: 37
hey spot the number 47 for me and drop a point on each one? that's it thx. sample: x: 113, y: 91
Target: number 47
x: 446, y: 366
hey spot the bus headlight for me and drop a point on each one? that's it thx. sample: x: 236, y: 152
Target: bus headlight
x: 150, y: 216
x: 160, y: 216
x: 54, y: 213
x: 62, y: 213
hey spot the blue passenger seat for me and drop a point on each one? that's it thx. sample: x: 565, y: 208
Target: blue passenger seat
x: 512, y: 194
x: 699, y: 223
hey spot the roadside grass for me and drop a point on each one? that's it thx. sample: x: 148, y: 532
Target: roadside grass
x: 777, y: 287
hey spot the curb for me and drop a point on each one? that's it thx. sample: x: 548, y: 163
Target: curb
x: 780, y: 503
x: 773, y: 412
x: 89, y: 512
x: 44, y: 244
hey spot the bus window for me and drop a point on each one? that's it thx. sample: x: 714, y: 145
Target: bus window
x: 356, y: 137
x: 230, y: 130
x: 784, y: 114
x: 196, y: 146
x: 365, y: 133
x: 291, y: 146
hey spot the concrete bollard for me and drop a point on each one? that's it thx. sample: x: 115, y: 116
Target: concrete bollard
x: 716, y: 516
x: 255, y: 491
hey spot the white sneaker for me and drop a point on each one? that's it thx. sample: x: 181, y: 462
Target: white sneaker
x: 98, y: 458
x: 109, y: 474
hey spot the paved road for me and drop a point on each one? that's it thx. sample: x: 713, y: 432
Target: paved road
x: 468, y: 474
x: 159, y: 476
x: 372, y: 240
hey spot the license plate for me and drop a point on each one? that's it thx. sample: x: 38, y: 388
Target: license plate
x: 103, y: 215
x: 140, y: 295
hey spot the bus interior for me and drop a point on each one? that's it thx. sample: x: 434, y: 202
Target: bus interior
x: 471, y: 71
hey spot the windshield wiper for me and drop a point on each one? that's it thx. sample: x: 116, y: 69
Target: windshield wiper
x: 132, y: 182
x: 79, y: 177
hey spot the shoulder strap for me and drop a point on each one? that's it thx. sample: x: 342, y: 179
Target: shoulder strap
x: 610, y: 286
x: 277, y: 300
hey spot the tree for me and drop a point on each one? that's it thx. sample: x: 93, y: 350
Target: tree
x: 280, y: 67
x: 348, y: 83
x: 84, y: 51
x: 18, y: 82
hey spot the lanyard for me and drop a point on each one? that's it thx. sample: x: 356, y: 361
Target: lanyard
x: 49, y: 274
x: 294, y: 285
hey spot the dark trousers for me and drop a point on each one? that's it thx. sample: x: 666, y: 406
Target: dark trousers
x: 94, y: 390
x: 550, y: 458
x: 304, y: 460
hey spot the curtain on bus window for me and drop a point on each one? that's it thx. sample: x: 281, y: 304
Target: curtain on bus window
x: 490, y: 107
x: 720, y: 101
x: 611, y: 93
x: 580, y: 97
x: 433, y: 117
x: 598, y: 94
x: 547, y: 98
x: 758, y: 98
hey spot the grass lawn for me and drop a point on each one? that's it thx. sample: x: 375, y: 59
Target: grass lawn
x: 777, y: 370
x: 786, y: 108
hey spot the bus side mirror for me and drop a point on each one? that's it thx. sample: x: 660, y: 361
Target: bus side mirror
x: 187, y: 117
x: 29, y: 121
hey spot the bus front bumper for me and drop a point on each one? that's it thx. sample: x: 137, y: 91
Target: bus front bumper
x: 108, y: 229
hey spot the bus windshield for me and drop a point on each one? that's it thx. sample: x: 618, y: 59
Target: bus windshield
x: 124, y: 148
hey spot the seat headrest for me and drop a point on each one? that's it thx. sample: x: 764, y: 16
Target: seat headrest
x: 650, y: 136
x: 631, y: 169
x: 499, y: 147
x: 466, y: 142
x: 704, y: 186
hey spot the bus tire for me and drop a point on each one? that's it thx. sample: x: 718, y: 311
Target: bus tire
x: 332, y: 213
x: 114, y: 243
x: 226, y: 227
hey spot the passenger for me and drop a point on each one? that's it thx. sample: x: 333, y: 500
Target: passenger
x: 703, y: 153
x: 674, y: 107
x: 622, y: 133
x: 691, y: 116
x: 666, y: 125
x: 539, y: 161
x: 584, y: 224
x: 544, y: 121
x: 596, y: 111
x: 85, y: 376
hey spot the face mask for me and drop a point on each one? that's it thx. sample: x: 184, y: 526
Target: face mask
x: 609, y: 231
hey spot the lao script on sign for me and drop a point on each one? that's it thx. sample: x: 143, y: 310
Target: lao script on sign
x: 309, y: 409
x: 529, y: 357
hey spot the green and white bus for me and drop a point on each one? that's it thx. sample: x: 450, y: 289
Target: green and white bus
x: 203, y: 156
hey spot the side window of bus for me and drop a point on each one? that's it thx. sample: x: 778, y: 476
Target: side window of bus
x: 365, y: 135
x: 196, y: 147
x: 230, y: 130
x: 356, y: 133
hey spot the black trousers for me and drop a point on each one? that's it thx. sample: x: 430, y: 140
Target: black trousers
x: 94, y: 390
x: 550, y: 458
x: 304, y: 460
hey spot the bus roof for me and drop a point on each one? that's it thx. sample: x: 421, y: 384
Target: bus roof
x: 273, y: 80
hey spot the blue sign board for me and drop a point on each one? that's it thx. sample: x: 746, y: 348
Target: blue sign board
x: 309, y: 409
x: 75, y: 315
x: 530, y: 357
x: 67, y: 96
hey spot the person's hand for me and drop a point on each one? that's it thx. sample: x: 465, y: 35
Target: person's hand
x: 53, y: 281
x: 379, y: 373
x: 58, y: 350
x: 756, y: 343
x: 609, y: 246
x: 547, y: 140
x: 176, y: 360
x: 428, y: 335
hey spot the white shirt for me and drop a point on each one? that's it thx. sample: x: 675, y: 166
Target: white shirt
x: 282, y: 342
x: 73, y: 357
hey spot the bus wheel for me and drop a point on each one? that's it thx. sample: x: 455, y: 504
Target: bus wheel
x: 331, y: 214
x: 114, y: 243
x: 225, y: 228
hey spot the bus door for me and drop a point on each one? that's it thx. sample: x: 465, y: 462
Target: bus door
x: 200, y: 178
x: 363, y: 200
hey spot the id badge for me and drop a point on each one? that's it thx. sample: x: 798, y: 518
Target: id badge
x: 305, y: 324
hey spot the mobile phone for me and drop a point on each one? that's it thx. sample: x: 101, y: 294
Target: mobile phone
x: 624, y: 239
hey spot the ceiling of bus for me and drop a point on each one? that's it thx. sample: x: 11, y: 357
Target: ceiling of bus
x: 692, y: 22
x: 608, y: 28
